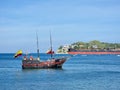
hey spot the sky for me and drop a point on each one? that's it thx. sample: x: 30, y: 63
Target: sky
x: 68, y: 20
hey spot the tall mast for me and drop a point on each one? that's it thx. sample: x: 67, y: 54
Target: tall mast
x: 51, y: 45
x: 37, y: 46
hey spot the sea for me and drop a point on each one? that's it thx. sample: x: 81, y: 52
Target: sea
x: 79, y: 72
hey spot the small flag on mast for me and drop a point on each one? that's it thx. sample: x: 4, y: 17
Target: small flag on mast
x: 50, y: 52
x: 18, y: 53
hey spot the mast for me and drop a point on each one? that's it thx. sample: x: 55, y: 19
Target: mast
x: 51, y: 45
x: 37, y: 46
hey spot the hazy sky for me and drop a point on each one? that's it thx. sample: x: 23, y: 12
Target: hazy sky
x: 68, y: 20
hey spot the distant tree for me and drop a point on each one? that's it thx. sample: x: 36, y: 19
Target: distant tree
x: 95, y: 44
x: 60, y: 47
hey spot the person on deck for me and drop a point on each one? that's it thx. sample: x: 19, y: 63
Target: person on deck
x: 31, y: 58
x: 25, y: 58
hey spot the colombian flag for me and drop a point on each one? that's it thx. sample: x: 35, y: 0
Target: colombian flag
x: 18, y: 53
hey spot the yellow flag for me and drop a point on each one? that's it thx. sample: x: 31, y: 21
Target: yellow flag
x: 18, y: 53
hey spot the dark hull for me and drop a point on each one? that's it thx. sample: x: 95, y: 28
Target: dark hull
x: 37, y: 64
x: 94, y: 52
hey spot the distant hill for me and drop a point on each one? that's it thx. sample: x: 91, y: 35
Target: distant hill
x: 92, y: 45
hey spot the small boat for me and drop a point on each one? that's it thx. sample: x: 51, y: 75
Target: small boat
x: 36, y: 63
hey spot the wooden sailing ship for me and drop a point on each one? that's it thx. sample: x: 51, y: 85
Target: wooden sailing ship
x: 36, y: 63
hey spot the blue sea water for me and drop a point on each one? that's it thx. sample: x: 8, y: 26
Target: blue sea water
x: 80, y: 72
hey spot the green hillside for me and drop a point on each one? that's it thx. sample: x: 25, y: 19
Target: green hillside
x: 92, y: 45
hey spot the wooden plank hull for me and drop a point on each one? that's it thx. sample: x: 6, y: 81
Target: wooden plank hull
x: 37, y: 64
